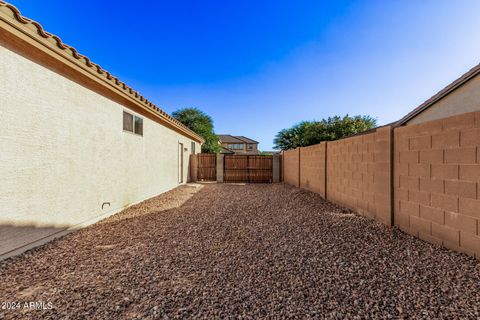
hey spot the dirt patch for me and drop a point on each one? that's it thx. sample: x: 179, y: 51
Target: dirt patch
x: 241, y: 251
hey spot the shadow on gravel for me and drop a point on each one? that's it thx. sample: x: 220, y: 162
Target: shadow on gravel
x: 252, y: 251
x: 167, y: 201
x: 170, y: 200
x: 13, y: 237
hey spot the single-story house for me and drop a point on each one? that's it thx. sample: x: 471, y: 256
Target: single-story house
x: 76, y: 143
x: 460, y: 96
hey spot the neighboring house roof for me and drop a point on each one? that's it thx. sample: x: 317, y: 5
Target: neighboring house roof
x: 247, y: 140
x: 226, y: 150
x: 27, y: 30
x: 441, y: 94
x: 226, y: 138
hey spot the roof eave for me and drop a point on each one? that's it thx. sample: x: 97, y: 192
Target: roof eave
x: 440, y: 95
x: 32, y: 33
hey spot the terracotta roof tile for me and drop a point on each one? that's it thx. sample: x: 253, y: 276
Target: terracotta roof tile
x: 11, y: 11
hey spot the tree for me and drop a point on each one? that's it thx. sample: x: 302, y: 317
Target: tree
x: 307, y: 133
x: 293, y: 137
x: 200, y: 123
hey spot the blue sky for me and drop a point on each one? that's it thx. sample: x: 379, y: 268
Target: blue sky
x: 259, y: 66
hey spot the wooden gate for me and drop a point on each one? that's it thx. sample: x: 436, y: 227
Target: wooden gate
x: 207, y: 167
x: 248, y: 168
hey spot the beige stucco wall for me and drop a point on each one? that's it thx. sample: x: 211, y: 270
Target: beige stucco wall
x: 63, y: 153
x: 464, y: 99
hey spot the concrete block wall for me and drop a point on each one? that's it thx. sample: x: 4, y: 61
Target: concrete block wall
x: 359, y: 174
x: 276, y: 174
x: 219, y: 169
x: 383, y: 175
x: 354, y: 172
x: 423, y: 178
x: 312, y: 168
x: 437, y: 175
x: 291, y: 169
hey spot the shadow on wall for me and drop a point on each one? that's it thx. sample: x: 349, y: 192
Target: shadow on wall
x: 15, y: 239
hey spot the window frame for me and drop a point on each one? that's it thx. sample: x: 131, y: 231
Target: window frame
x: 135, y: 118
x: 134, y: 123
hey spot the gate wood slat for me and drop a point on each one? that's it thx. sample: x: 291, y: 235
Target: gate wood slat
x: 248, y: 168
x: 207, y: 166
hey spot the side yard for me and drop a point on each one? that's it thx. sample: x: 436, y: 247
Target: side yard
x: 269, y: 250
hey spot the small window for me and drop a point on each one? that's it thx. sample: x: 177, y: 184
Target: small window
x: 193, y: 147
x: 250, y: 147
x: 132, y: 123
x: 138, y: 126
x: 127, y: 121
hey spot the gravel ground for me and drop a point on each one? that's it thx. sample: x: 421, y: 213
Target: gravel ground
x: 241, y: 251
